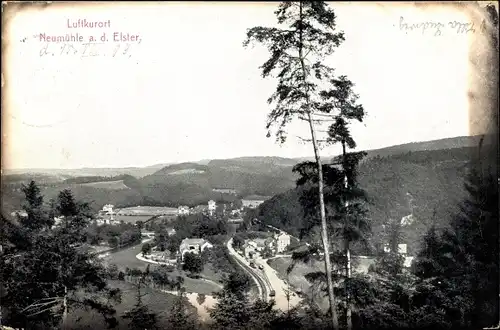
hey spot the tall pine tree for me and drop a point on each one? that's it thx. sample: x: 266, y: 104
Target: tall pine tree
x: 306, y: 36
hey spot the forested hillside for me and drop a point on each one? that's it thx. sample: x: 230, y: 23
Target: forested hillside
x: 427, y: 184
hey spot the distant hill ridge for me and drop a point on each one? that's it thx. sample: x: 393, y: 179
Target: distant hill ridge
x: 446, y: 143
x: 441, y: 144
x: 192, y: 183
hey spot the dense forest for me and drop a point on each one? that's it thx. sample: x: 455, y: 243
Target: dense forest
x: 427, y: 184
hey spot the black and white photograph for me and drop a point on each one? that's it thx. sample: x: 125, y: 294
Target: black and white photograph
x: 249, y: 165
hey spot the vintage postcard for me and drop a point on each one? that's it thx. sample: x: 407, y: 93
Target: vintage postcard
x: 249, y: 165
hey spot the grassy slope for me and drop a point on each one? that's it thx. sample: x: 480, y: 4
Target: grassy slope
x: 110, y: 185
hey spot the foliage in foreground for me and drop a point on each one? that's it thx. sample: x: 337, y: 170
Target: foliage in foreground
x: 47, y: 270
x: 452, y: 285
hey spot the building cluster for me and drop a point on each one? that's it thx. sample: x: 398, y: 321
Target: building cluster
x: 108, y: 209
x: 274, y: 245
x: 23, y: 214
x: 209, y: 209
x: 248, y: 202
x: 188, y: 245
x: 106, y: 216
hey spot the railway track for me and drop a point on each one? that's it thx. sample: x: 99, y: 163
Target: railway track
x: 254, y: 274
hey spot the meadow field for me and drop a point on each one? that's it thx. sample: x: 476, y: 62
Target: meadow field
x: 132, y: 218
x: 110, y: 185
x: 147, y: 211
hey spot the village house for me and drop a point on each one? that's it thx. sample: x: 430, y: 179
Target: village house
x: 255, y: 247
x: 57, y: 221
x: 183, y: 210
x: 253, y: 201
x: 407, y: 220
x: 193, y: 245
x: 107, y: 209
x: 211, y: 206
x: 271, y: 244
x: 199, y: 209
x: 22, y: 214
x: 164, y: 257
x: 249, y: 249
x: 107, y: 221
x: 282, y: 242
x: 402, y: 249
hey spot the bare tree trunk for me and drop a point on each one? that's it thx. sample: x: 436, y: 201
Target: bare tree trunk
x: 347, y: 246
x: 65, y: 309
x: 324, y: 229
x: 348, y: 296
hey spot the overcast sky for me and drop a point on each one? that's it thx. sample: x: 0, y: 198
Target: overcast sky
x: 190, y: 91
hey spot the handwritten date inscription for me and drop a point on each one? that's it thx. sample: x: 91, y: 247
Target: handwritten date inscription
x: 89, y: 49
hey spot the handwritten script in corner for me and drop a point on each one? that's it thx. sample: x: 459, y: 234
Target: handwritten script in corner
x: 440, y: 28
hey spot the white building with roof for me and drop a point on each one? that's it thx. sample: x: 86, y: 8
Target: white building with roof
x: 407, y: 220
x: 108, y: 208
x: 193, y: 245
x: 282, y: 242
x: 183, y: 210
x: 402, y: 249
x: 254, y: 201
x: 211, y: 206
x: 20, y: 213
